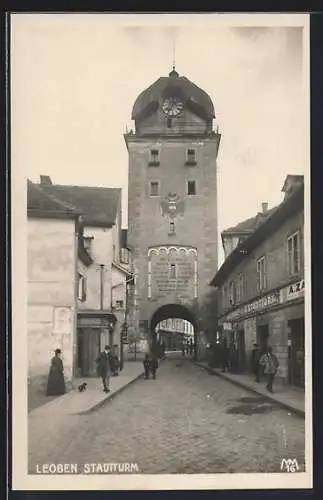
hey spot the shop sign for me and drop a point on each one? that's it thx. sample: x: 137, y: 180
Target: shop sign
x: 265, y: 302
x: 296, y: 290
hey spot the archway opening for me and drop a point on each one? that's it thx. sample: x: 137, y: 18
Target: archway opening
x: 173, y: 330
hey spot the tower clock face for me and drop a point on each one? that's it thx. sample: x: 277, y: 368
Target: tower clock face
x: 172, y: 106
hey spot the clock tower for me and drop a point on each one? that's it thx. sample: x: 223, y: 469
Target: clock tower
x: 172, y: 201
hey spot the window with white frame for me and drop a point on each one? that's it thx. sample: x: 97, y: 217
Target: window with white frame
x: 81, y: 291
x: 154, y: 188
x: 261, y: 273
x: 190, y: 157
x: 191, y: 188
x: 173, y: 271
x: 293, y: 253
x: 239, y: 287
x: 232, y: 294
x: 154, y: 158
x: 172, y: 226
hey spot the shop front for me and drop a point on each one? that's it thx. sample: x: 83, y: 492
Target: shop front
x: 276, y: 320
x: 95, y: 330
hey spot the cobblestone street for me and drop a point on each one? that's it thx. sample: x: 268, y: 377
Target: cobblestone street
x: 186, y: 421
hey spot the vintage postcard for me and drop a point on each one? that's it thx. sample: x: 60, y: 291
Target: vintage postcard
x: 161, y: 251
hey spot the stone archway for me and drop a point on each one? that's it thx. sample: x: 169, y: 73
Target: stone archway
x: 172, y: 311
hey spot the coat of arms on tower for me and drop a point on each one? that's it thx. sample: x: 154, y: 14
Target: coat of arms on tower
x: 172, y: 206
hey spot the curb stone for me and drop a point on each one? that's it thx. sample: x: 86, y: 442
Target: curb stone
x: 297, y: 411
x: 96, y: 406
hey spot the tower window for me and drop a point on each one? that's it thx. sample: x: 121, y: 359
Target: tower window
x: 172, y: 227
x: 169, y: 123
x: 154, y: 188
x: 154, y: 158
x: 173, y: 271
x: 190, y: 157
x: 191, y: 188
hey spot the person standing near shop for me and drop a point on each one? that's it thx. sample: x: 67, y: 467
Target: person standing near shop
x: 270, y: 363
x: 104, y: 367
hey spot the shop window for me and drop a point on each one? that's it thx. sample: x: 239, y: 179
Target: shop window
x: 154, y: 188
x: 81, y: 292
x: 293, y: 254
x: 261, y: 274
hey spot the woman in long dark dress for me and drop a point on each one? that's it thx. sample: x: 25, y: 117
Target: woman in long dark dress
x: 56, y: 382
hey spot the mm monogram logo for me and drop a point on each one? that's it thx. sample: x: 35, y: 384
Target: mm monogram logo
x: 289, y: 465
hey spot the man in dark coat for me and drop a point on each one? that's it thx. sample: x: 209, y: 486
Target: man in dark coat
x: 104, y: 367
x: 56, y: 382
x: 225, y: 355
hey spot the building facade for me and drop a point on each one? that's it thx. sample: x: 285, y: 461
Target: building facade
x: 79, y: 266
x: 261, y: 288
x: 172, y: 204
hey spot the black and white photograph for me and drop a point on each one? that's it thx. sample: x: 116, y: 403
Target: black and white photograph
x: 160, y: 251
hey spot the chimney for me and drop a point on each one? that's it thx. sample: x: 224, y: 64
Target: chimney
x: 264, y: 207
x: 45, y: 180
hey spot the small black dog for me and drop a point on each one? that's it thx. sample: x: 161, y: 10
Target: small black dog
x: 82, y: 387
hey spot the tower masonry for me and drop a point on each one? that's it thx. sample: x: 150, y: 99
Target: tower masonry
x: 172, y: 199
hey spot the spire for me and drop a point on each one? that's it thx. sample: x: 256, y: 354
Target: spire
x: 174, y: 72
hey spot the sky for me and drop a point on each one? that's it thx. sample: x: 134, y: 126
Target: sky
x: 75, y: 79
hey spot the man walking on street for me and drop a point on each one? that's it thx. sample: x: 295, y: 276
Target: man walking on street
x: 104, y: 368
x: 255, y: 359
x: 271, y: 364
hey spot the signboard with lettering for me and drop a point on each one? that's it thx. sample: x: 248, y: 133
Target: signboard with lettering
x: 255, y: 306
x: 172, y: 271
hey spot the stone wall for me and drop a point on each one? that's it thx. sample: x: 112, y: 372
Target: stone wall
x: 196, y: 226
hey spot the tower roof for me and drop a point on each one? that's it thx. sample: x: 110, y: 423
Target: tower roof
x: 198, y: 99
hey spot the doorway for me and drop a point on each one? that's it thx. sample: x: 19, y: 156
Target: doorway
x: 241, y: 350
x: 88, y: 349
x: 296, y: 352
x: 262, y: 338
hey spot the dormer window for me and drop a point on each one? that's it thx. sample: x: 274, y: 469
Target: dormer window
x: 190, y: 157
x: 154, y: 158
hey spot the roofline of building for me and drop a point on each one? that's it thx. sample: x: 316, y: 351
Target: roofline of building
x: 52, y: 214
x: 287, y: 208
x: 97, y: 223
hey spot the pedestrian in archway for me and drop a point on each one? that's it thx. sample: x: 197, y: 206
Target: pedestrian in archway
x: 154, y: 365
x: 191, y: 347
x: 147, y: 365
x: 270, y: 363
x: 56, y: 382
x: 225, y: 356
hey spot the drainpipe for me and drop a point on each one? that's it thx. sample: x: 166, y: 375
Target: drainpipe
x: 101, y: 300
x: 78, y: 224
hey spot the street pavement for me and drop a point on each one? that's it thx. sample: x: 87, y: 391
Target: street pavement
x: 185, y: 421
